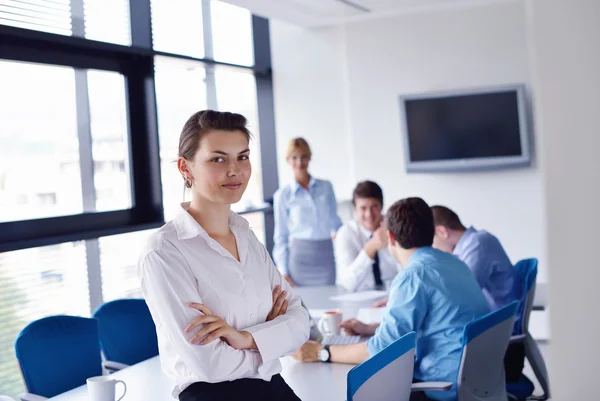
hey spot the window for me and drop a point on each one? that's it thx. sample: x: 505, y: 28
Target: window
x: 86, y: 126
x: 34, y: 283
x: 236, y: 92
x: 102, y: 20
x: 48, y: 16
x: 109, y: 140
x: 41, y: 144
x: 107, y: 21
x: 231, y: 33
x: 180, y: 92
x: 39, y: 152
x: 177, y: 27
x: 118, y: 264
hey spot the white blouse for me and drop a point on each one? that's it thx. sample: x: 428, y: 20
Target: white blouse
x: 182, y: 264
x: 354, y: 268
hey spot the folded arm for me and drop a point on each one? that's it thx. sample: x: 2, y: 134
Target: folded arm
x: 169, y: 286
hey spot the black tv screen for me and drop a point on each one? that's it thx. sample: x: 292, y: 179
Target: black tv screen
x: 466, y: 130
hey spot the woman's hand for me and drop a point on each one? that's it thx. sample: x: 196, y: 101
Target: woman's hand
x: 280, y: 304
x: 289, y: 280
x: 215, y: 327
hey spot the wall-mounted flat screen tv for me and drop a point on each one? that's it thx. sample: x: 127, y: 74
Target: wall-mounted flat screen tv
x: 466, y: 130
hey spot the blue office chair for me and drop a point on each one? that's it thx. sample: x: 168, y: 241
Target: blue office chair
x: 127, y: 332
x: 57, y: 354
x: 388, y: 375
x: 485, y: 340
x: 481, y: 372
x: 523, y: 389
x: 385, y: 376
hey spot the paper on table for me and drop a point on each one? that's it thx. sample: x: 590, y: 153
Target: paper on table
x: 363, y: 296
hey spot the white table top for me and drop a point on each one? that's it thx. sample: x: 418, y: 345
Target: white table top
x: 311, y: 381
x: 146, y: 382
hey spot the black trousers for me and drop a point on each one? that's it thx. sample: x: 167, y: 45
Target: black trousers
x: 241, y: 389
x: 514, y: 361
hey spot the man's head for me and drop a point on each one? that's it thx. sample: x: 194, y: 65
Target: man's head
x: 448, y: 228
x: 410, y: 225
x: 367, y: 199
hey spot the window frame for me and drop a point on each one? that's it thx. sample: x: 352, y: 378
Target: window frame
x: 136, y: 64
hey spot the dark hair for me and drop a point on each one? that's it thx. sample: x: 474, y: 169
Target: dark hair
x: 367, y: 189
x: 442, y: 216
x: 411, y: 222
x: 204, y: 121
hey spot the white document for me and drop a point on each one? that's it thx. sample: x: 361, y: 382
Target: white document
x: 363, y: 296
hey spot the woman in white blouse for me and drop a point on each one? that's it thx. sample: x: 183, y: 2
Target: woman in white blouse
x: 223, y: 313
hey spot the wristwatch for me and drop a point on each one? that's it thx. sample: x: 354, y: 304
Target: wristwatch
x: 324, y: 354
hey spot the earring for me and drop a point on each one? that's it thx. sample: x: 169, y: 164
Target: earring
x: 188, y: 183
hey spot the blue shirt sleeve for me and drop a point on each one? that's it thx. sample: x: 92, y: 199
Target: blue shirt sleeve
x: 475, y: 257
x: 281, y: 233
x: 334, y: 219
x: 407, y: 308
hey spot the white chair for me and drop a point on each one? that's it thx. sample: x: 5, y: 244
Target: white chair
x: 388, y: 374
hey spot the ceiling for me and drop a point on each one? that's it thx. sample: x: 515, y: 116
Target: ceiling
x: 332, y: 12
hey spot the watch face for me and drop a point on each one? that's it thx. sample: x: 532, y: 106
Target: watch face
x: 323, y: 355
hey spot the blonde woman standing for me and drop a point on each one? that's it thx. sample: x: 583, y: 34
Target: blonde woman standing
x: 305, y: 220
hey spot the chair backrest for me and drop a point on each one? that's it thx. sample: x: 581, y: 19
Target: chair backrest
x: 58, y: 353
x: 385, y: 376
x: 527, y: 272
x: 127, y: 331
x: 485, y: 340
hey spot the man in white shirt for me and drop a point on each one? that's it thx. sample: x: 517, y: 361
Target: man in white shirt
x: 362, y: 258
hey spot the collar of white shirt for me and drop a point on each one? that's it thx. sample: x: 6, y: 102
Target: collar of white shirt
x: 365, y: 233
x: 187, y: 227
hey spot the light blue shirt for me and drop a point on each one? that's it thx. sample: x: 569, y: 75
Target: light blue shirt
x: 497, y: 277
x: 303, y: 214
x: 436, y: 296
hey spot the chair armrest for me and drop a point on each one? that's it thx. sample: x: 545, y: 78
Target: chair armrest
x: 431, y: 386
x: 31, y: 397
x: 112, y: 366
x: 519, y: 338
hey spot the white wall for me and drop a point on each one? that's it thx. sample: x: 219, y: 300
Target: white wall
x: 311, y: 99
x: 447, y: 49
x: 565, y: 42
x: 444, y: 50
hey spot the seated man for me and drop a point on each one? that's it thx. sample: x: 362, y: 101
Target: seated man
x: 482, y: 252
x: 362, y: 258
x: 435, y: 295
x: 486, y: 258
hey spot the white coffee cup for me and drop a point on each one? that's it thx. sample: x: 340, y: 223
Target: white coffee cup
x: 102, y: 388
x: 330, y: 322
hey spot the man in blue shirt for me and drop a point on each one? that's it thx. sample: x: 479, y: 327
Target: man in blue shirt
x: 482, y: 252
x: 435, y: 295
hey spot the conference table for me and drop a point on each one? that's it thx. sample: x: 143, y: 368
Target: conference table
x: 311, y: 381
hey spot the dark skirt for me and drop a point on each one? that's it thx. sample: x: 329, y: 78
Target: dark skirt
x: 241, y: 389
x: 312, y: 262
